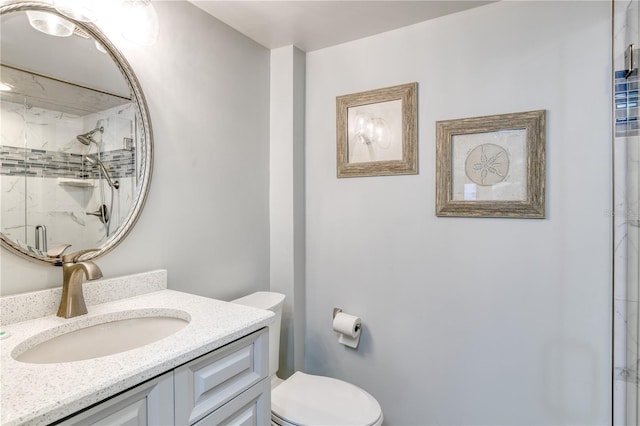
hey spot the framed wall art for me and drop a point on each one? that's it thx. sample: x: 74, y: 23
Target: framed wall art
x: 491, y: 166
x: 377, y: 132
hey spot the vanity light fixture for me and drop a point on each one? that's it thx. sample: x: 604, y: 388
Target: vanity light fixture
x: 80, y: 10
x: 140, y: 22
x: 50, y: 24
x: 135, y: 20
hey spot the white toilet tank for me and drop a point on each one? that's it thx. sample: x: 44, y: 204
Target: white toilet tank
x: 271, y: 302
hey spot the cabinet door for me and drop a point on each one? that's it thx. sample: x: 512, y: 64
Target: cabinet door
x: 207, y: 383
x: 250, y: 408
x: 150, y: 403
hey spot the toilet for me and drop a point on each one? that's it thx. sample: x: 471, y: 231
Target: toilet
x: 306, y: 399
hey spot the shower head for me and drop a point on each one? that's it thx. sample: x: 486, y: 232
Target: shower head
x: 87, y: 138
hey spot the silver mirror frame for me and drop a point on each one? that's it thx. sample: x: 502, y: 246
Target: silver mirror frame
x: 147, y: 154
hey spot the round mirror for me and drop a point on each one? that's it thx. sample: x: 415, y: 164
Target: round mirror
x: 76, y: 145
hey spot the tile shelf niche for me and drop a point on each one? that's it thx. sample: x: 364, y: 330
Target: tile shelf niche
x: 77, y: 183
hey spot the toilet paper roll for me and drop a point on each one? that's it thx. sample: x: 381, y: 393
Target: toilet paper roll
x: 348, y: 325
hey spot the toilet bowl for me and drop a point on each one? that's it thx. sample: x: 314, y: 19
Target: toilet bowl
x: 306, y: 399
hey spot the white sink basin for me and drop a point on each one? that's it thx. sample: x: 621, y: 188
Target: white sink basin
x: 93, y: 340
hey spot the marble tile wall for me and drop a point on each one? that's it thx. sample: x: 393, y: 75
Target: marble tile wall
x: 39, y: 153
x: 626, y: 220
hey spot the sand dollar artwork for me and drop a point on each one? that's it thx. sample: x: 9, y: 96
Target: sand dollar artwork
x: 487, y: 164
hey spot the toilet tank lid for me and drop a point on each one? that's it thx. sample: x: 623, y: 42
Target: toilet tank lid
x: 268, y: 300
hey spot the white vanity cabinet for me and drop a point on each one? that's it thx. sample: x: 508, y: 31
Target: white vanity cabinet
x: 227, y: 386
x: 150, y: 403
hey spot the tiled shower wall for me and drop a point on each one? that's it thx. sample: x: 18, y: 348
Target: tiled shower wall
x: 28, y: 162
x: 45, y: 181
x: 626, y: 219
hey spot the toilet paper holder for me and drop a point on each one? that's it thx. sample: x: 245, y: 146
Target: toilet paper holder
x: 336, y: 311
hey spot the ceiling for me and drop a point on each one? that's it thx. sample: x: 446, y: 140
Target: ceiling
x: 312, y: 24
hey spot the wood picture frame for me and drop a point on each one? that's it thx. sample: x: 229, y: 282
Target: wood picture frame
x: 492, y: 166
x: 377, y: 132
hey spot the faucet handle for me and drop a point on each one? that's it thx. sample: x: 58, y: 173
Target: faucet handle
x: 75, y: 256
x: 57, y: 251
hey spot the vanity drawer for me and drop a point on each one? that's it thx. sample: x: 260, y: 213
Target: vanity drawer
x: 252, y: 407
x: 207, y: 383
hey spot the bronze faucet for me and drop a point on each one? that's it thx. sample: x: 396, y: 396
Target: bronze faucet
x: 72, y: 303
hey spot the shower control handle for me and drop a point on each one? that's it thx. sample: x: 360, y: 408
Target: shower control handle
x: 102, y: 213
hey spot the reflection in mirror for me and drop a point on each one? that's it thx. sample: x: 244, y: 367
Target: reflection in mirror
x: 75, y: 143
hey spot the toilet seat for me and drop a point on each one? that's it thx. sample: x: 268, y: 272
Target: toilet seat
x: 307, y: 400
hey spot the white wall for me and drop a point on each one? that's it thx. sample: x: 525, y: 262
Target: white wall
x: 470, y: 321
x: 466, y: 321
x: 207, y: 216
x: 286, y: 201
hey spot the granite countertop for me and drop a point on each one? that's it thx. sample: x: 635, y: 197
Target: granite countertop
x: 37, y: 394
